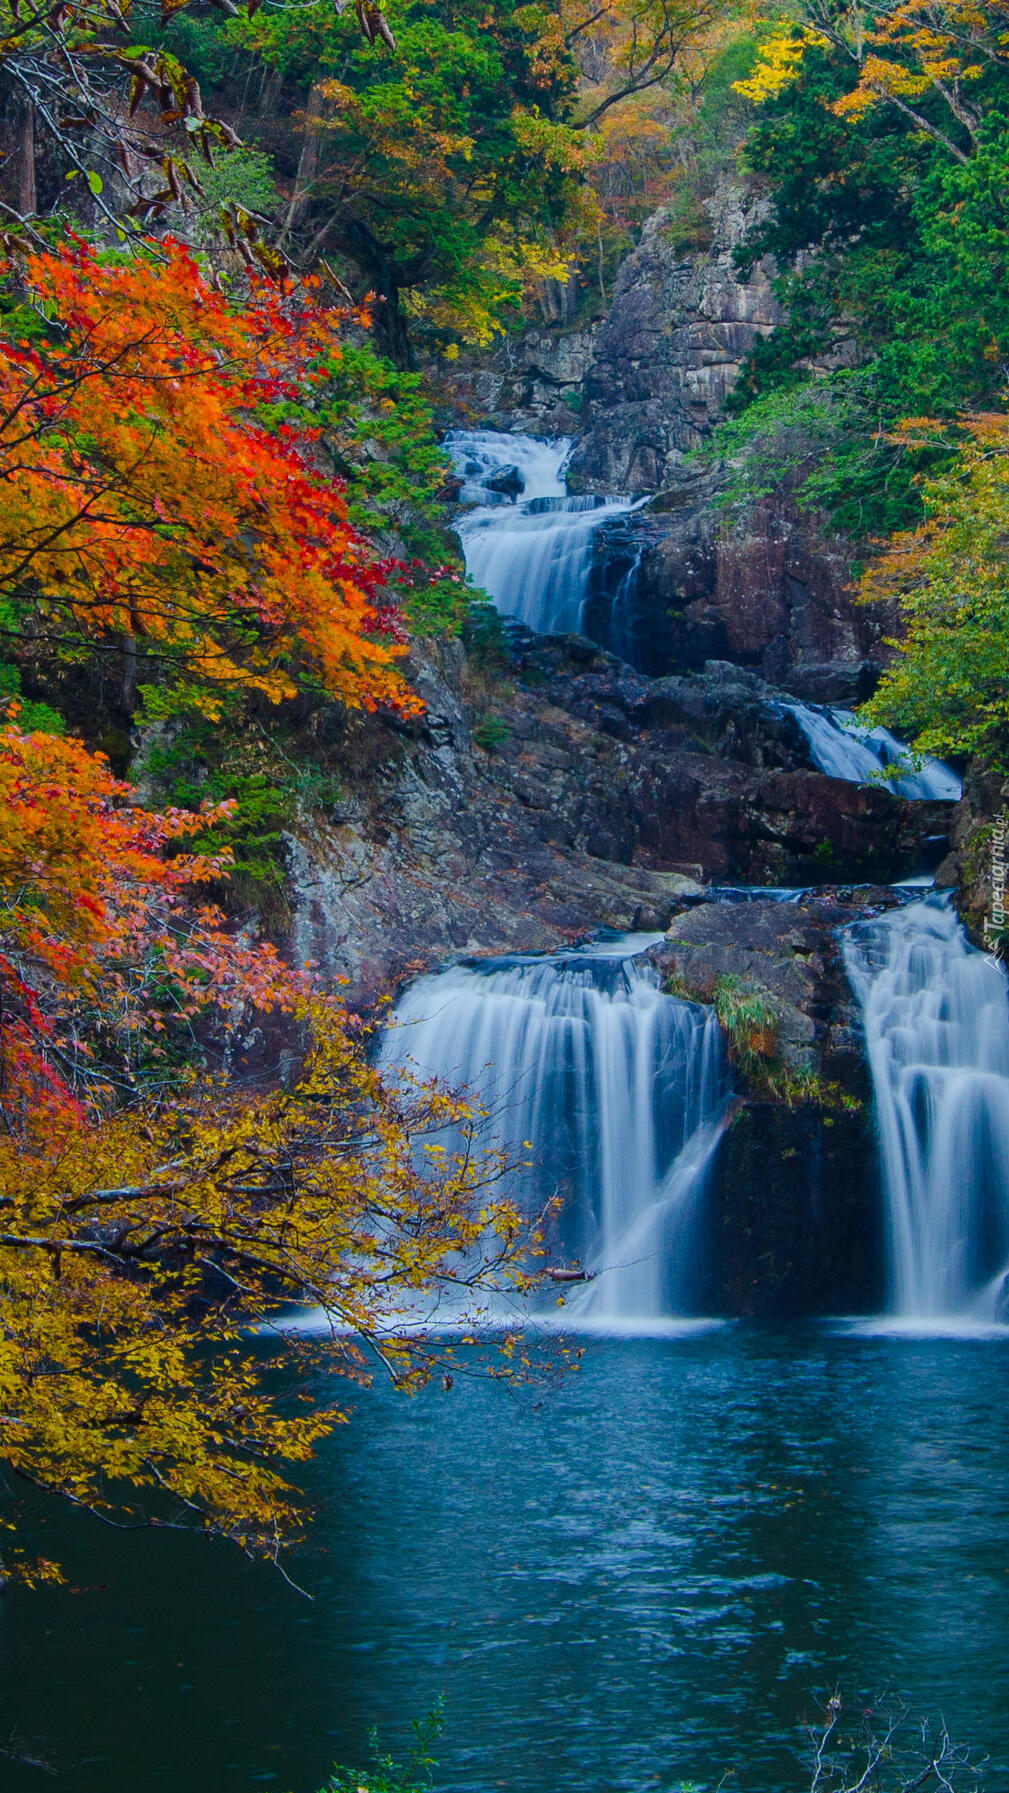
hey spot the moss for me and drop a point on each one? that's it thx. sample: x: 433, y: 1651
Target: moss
x: 751, y: 1020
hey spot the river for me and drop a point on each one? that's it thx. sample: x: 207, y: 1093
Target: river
x: 643, y: 1575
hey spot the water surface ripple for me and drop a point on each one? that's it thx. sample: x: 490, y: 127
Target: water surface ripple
x: 639, y: 1576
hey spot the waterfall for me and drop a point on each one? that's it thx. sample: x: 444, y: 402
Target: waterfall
x: 843, y: 748
x: 937, y: 1032
x: 621, y: 1091
x: 621, y: 629
x: 528, y: 545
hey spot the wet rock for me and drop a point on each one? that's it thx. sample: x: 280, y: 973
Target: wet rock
x: 793, y: 1216
x: 608, y: 800
x: 507, y: 480
x: 793, y: 1219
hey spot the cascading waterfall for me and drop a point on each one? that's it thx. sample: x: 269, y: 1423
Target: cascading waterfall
x: 843, y: 748
x: 531, y: 552
x: 620, y: 1089
x: 936, y: 1023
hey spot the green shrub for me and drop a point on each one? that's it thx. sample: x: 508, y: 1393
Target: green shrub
x: 385, y: 1774
x: 491, y: 733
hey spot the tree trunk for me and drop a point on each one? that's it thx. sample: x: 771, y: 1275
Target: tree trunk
x: 308, y: 164
x: 27, y: 200
x: 17, y: 150
x: 379, y: 270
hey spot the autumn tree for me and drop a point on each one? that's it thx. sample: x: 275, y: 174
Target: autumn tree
x: 453, y: 174
x: 146, y: 507
x: 154, y: 1213
x: 948, y: 686
x: 138, y: 1260
x: 927, y: 59
x: 889, y: 250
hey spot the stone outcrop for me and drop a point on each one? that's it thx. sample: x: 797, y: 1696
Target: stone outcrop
x: 533, y: 383
x: 670, y: 350
x: 789, y: 953
x: 967, y: 869
x: 793, y: 1215
x: 769, y: 590
x: 598, y: 798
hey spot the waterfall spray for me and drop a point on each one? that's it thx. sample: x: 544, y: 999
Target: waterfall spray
x: 937, y: 1032
x: 621, y: 1091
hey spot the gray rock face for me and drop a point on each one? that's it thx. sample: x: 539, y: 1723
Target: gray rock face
x: 532, y: 385
x: 770, y: 590
x: 793, y: 1215
x: 607, y: 800
x: 670, y: 351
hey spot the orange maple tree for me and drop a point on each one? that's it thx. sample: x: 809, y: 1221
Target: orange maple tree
x: 102, y: 946
x: 146, y: 504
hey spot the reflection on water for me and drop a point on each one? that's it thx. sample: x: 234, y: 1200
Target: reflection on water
x: 640, y: 1576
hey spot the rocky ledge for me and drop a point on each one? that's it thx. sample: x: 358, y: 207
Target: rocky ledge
x: 561, y: 793
x: 802, y: 1122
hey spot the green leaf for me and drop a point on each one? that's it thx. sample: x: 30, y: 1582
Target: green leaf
x: 95, y: 182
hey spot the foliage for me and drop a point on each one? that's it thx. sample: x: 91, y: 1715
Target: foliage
x: 889, y: 225
x: 155, y: 1213
x: 930, y: 60
x: 105, y: 963
x: 137, y: 1259
x: 376, y: 426
x: 822, y: 441
x: 385, y: 1775
x: 948, y: 688
x: 441, y: 173
x: 456, y: 178
x: 31, y: 716
x: 750, y: 1020
x: 242, y: 178
x: 491, y: 733
x: 145, y: 505
x: 91, y: 100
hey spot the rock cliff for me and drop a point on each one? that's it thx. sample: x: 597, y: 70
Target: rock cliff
x: 566, y: 794
x: 767, y: 589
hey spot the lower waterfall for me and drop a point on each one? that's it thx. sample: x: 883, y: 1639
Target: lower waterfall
x: 936, y: 1021
x: 621, y: 1091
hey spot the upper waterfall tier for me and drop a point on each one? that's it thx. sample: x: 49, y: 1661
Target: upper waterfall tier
x: 619, y: 1090
x: 527, y: 543
x: 843, y: 748
x: 937, y: 1032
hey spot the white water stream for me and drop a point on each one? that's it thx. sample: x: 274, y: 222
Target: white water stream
x: 843, y: 748
x: 936, y: 1023
x: 531, y: 554
x: 620, y: 1090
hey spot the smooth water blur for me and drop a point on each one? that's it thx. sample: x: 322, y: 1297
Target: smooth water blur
x: 640, y: 1575
x: 936, y: 1023
x: 844, y: 748
x: 532, y: 554
x: 616, y: 1090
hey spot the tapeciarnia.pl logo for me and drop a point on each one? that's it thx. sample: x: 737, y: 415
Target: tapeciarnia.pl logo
x: 995, y: 922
